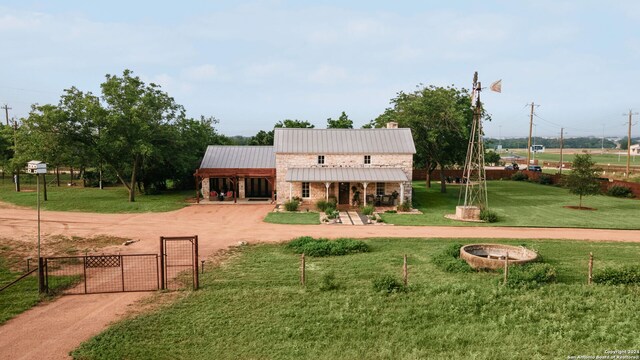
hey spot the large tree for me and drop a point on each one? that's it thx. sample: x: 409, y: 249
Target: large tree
x: 266, y: 137
x: 582, y: 179
x: 440, y: 119
x: 343, y: 122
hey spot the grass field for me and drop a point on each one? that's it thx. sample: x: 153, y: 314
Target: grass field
x: 108, y: 200
x: 600, y: 159
x: 18, y: 297
x: 523, y: 204
x: 253, y: 307
x: 301, y: 218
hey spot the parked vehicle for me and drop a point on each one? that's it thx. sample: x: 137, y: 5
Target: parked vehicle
x: 513, y: 166
x: 534, y: 168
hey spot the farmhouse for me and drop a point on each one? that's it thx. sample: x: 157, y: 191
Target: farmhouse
x: 351, y: 165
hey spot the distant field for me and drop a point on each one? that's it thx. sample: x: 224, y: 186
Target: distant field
x: 568, y: 155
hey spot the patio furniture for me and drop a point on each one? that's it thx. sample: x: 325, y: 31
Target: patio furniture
x: 386, y: 200
x: 229, y: 196
x: 370, y: 199
x: 213, y: 195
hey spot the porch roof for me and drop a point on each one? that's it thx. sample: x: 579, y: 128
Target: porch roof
x: 323, y: 174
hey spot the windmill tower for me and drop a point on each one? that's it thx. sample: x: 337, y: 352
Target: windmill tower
x: 475, y: 180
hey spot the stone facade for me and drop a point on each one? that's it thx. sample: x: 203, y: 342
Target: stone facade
x: 317, y: 191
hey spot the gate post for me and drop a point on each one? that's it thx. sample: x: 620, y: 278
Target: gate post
x: 162, y: 263
x: 196, y: 277
x: 41, y: 286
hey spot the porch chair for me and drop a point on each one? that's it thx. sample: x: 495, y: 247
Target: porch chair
x: 213, y: 195
x: 229, y: 196
x: 371, y: 199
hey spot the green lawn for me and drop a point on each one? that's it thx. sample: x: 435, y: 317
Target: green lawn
x: 523, y: 204
x: 253, y: 307
x: 301, y: 218
x: 601, y: 159
x: 18, y: 297
x: 109, y: 200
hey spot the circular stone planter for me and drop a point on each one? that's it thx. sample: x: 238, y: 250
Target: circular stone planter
x: 491, y: 256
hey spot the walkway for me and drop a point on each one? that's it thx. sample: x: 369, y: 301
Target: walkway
x: 51, y: 330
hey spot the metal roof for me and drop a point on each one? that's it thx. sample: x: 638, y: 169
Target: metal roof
x: 344, y: 141
x: 238, y: 157
x: 320, y: 174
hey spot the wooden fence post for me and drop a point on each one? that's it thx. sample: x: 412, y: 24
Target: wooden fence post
x: 302, y: 270
x: 590, y: 278
x: 405, y: 273
x: 506, y: 268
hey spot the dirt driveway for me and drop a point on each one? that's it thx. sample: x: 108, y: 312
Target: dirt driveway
x: 51, y: 330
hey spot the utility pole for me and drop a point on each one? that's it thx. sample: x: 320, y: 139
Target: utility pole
x: 602, y: 150
x: 530, y: 131
x: 631, y: 113
x: 6, y: 112
x: 15, y: 150
x: 561, y: 147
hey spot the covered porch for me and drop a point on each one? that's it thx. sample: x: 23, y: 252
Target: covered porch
x: 349, y: 186
x: 232, y: 185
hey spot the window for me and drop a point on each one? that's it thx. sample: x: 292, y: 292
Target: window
x: 379, y: 189
x: 305, y: 189
x: 367, y: 159
x: 320, y: 159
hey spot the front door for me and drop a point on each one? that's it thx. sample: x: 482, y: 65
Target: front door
x: 343, y: 194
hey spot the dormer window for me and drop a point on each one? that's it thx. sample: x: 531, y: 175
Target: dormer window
x: 320, y: 159
x: 367, y: 159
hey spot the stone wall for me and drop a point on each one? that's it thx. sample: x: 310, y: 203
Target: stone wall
x: 205, y: 188
x: 317, y: 190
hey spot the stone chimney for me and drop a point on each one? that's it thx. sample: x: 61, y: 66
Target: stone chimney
x: 392, y: 125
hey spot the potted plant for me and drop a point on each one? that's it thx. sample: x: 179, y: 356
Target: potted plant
x: 395, y: 195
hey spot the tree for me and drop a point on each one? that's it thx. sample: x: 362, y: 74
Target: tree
x: 135, y: 124
x: 6, y: 147
x: 288, y: 123
x: 491, y: 157
x: 343, y: 122
x: 582, y: 180
x: 262, y: 138
x: 440, y: 119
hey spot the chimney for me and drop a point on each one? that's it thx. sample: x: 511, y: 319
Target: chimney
x: 392, y: 125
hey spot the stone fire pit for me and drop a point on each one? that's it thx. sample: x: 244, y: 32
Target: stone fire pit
x: 491, y: 256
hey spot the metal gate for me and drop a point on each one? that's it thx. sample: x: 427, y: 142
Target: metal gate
x: 92, y: 274
x: 179, y: 262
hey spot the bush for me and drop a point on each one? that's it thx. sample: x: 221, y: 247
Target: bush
x: 291, y: 205
x: 322, y: 205
x: 333, y: 199
x: 531, y: 275
x: 545, y: 179
x: 332, y: 213
x: 368, y: 210
x: 519, y: 176
x: 620, y: 191
x: 388, y: 284
x: 448, y: 260
x: 391, y: 212
x: 329, y: 282
x: 324, y: 247
x: 405, y: 206
x: 626, y: 275
x: 489, y: 216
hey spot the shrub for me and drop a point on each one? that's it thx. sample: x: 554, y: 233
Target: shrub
x: 519, y: 176
x: 531, y: 275
x: 448, y: 260
x: 620, y: 191
x: 388, y: 284
x: 489, y: 216
x: 332, y: 213
x: 626, y: 275
x: 291, y: 205
x: 391, y: 212
x: 368, y: 210
x: 324, y: 247
x: 329, y: 282
x: 405, y: 206
x: 322, y: 205
x: 333, y: 199
x: 545, y: 179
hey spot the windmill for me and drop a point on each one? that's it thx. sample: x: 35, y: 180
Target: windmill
x: 474, y: 186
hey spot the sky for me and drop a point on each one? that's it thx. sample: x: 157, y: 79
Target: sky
x: 251, y: 64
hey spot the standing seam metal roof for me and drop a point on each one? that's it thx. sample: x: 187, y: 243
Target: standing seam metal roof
x: 346, y: 174
x: 238, y: 157
x: 343, y: 141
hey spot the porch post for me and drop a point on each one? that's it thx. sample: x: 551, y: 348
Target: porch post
x: 364, y: 184
x: 326, y: 185
x: 401, y: 192
x: 290, y: 191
